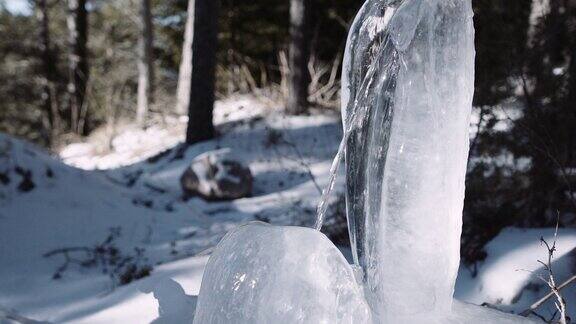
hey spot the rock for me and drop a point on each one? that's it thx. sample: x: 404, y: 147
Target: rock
x: 217, y: 175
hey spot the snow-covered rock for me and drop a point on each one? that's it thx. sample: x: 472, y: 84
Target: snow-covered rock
x: 217, y: 175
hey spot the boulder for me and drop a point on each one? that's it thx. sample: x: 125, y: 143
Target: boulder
x: 217, y: 175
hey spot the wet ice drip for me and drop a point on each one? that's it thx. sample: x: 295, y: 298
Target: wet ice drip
x: 371, y: 67
x: 408, y: 82
x: 371, y: 71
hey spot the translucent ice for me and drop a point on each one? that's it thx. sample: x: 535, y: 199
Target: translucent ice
x: 408, y: 82
x: 260, y: 274
x: 265, y: 274
x: 369, y: 79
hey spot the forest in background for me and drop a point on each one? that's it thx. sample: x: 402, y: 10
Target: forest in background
x: 56, y: 87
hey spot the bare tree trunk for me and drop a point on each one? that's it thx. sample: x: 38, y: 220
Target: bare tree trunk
x: 185, y: 75
x: 572, y: 68
x: 145, y: 63
x: 48, y: 68
x: 77, y: 22
x: 202, y: 61
x: 300, y: 43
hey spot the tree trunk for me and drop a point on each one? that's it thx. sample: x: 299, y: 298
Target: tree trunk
x: 185, y: 74
x: 199, y: 62
x: 145, y: 63
x: 48, y: 69
x: 572, y: 68
x: 300, y: 43
x: 77, y: 22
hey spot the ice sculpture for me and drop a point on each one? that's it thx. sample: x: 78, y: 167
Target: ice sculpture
x: 408, y: 82
x: 266, y: 274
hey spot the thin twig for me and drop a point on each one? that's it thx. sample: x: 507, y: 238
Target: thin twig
x: 551, y: 281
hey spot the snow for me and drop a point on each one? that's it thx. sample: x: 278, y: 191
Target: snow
x: 131, y: 144
x: 77, y: 207
x: 468, y: 313
x: 149, y: 142
x: 70, y: 208
x: 168, y: 296
x: 508, y: 279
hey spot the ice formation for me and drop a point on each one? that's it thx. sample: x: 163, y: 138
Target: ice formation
x: 262, y: 274
x: 266, y: 274
x: 407, y: 94
x: 408, y: 82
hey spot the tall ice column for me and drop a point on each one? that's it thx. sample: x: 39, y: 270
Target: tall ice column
x: 412, y: 91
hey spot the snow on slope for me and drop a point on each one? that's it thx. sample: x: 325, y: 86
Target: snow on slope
x: 68, y: 207
x: 63, y: 207
x: 132, y: 144
x: 508, y: 279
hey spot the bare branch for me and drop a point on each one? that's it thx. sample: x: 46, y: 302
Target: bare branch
x: 551, y: 282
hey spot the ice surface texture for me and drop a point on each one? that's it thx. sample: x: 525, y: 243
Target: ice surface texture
x: 265, y: 274
x: 408, y: 83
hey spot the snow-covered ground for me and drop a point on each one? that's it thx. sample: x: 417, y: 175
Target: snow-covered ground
x: 133, y: 191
